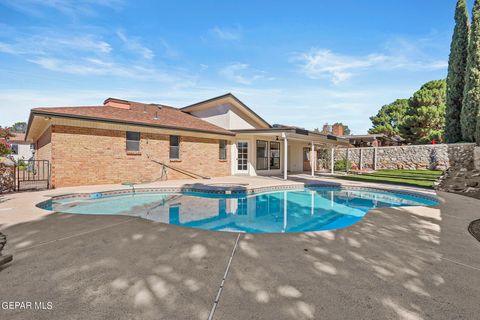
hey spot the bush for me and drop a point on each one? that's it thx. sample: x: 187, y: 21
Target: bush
x: 4, y: 150
x: 341, y: 165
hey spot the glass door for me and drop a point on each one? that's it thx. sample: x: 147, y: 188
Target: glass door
x: 242, y: 156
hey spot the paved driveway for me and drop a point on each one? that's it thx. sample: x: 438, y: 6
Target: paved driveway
x: 397, y: 263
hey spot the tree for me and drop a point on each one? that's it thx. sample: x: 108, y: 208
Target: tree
x: 389, y: 118
x: 346, y: 129
x: 457, y: 65
x: 425, y: 117
x: 4, y: 146
x: 471, y: 95
x: 19, y: 127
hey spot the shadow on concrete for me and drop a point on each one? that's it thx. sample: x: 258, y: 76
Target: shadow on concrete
x: 113, y: 267
x: 397, y: 263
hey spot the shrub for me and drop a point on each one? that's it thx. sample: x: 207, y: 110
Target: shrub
x: 341, y: 165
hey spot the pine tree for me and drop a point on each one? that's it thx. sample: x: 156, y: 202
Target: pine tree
x: 456, y: 74
x: 471, y: 95
x: 389, y: 118
x: 424, y: 120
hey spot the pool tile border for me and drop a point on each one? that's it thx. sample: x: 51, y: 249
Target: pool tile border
x: 237, y: 190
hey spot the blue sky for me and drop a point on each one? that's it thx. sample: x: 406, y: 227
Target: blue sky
x: 302, y: 63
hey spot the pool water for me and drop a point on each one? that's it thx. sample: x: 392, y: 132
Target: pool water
x: 310, y: 209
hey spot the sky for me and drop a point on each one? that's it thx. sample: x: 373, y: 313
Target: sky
x: 302, y: 63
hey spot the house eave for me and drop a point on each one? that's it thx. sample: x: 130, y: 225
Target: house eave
x: 35, y: 113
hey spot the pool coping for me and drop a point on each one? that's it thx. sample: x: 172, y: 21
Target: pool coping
x: 233, y: 190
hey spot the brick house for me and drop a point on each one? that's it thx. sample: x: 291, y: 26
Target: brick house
x: 126, y: 141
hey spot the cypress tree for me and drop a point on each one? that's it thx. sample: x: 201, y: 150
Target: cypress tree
x: 457, y: 64
x: 471, y: 95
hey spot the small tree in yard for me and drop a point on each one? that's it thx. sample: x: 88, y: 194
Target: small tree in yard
x: 457, y: 64
x: 4, y: 146
x: 471, y: 95
x: 425, y: 117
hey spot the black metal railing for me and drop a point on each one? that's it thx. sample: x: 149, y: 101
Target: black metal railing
x: 32, y: 174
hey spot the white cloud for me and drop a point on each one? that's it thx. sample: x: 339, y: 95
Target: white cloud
x: 227, y: 34
x: 134, y: 45
x: 71, y: 8
x: 89, y: 55
x: 323, y: 63
x: 400, y: 54
x: 242, y: 73
x: 48, y: 44
x: 92, y: 66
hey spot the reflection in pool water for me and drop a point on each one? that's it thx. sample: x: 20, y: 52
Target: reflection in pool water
x: 282, y: 211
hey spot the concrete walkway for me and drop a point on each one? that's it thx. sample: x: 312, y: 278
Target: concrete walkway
x: 397, y: 263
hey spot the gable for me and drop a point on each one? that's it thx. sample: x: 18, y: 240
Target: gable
x: 227, y: 112
x: 226, y: 116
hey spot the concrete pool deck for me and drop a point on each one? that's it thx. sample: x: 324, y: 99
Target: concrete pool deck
x: 397, y: 263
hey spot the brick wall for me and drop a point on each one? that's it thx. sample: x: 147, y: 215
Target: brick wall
x: 83, y: 156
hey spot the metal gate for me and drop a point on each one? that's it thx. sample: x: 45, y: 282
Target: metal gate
x: 32, y: 174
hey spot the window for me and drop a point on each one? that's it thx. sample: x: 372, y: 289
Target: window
x: 274, y: 155
x: 174, y: 147
x: 14, y: 148
x: 223, y: 150
x: 262, y: 155
x: 133, y: 141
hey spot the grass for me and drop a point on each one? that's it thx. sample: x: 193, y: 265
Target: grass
x: 415, y: 178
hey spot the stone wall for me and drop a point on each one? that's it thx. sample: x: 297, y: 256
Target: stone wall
x: 414, y: 157
x: 7, y: 175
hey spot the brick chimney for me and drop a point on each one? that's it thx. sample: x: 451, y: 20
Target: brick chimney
x: 337, y: 129
x: 117, y: 103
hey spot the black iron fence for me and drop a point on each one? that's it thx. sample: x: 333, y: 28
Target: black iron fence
x: 32, y: 174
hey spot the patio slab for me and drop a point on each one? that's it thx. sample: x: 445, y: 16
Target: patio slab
x: 396, y: 263
x: 135, y: 269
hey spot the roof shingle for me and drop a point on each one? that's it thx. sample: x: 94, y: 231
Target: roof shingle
x: 139, y: 113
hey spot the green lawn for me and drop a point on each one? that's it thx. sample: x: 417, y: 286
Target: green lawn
x: 416, y: 178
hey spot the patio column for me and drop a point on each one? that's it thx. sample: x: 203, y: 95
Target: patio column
x: 285, y: 156
x: 312, y: 160
x: 361, y: 159
x: 346, y: 162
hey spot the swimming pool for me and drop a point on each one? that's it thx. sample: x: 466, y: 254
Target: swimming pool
x: 309, y: 209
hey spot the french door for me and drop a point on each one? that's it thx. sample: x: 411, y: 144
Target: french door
x: 242, y: 156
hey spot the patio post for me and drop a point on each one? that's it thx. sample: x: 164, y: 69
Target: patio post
x: 346, y: 162
x: 332, y: 160
x: 285, y: 156
x: 361, y: 159
x: 312, y: 160
x: 375, y: 158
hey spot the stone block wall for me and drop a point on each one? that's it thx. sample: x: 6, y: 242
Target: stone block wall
x: 413, y: 157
